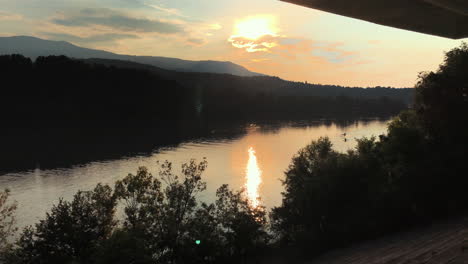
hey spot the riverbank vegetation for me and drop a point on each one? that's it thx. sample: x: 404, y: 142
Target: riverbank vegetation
x: 414, y: 174
x: 60, y: 89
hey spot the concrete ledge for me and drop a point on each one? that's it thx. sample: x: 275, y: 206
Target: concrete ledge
x: 445, y: 18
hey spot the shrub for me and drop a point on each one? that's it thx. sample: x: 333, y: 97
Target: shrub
x: 72, y: 231
x: 7, y: 222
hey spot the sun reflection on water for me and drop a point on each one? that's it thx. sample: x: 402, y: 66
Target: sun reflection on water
x: 253, y: 179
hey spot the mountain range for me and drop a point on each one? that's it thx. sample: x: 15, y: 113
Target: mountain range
x: 33, y: 47
x: 215, y: 75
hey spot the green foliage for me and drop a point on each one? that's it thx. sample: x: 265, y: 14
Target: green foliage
x: 442, y: 98
x: 241, y: 226
x: 330, y: 197
x: 7, y: 222
x: 123, y: 247
x: 164, y: 215
x: 72, y: 231
x: 162, y: 221
x: 412, y: 175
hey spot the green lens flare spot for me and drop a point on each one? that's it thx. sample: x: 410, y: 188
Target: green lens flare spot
x: 197, y: 242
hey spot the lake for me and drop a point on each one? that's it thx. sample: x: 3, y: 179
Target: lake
x: 256, y: 159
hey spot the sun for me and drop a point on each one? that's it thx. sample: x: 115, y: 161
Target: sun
x: 255, y: 34
x: 255, y: 27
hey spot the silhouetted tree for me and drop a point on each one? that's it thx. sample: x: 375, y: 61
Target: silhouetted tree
x: 412, y: 175
x: 72, y: 231
x: 7, y: 222
x: 242, y: 226
x: 164, y: 215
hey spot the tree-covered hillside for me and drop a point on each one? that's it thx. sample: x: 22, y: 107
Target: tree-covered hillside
x: 59, y: 88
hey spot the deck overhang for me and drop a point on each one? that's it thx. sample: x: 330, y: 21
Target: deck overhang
x: 445, y: 18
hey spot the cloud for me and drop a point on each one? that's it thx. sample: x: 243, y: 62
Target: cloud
x: 263, y: 43
x: 215, y: 26
x: 290, y: 48
x: 103, y: 27
x: 89, y: 39
x: 196, y: 41
x: 171, y: 11
x: 117, y: 20
x: 374, y: 42
x: 333, y: 52
x: 332, y: 56
x: 4, y: 16
x: 259, y: 60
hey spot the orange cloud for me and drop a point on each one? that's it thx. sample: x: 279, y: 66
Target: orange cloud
x: 300, y: 59
x: 290, y: 48
x: 196, y: 41
x: 10, y: 16
x: 263, y: 43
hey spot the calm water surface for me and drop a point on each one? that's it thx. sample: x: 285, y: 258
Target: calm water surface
x: 255, y: 160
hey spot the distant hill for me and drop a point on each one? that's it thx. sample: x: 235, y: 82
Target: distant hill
x: 34, y: 47
x: 267, y: 85
x: 67, y: 91
x: 214, y: 75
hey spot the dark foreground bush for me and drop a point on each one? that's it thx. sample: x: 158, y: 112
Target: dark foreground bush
x: 7, y: 223
x: 163, y: 220
x: 72, y: 231
x: 414, y: 174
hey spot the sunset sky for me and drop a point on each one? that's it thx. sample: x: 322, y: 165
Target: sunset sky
x: 266, y: 36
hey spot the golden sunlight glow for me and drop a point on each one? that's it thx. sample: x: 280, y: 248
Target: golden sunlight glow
x: 254, y: 178
x: 255, y: 27
x: 254, y: 34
